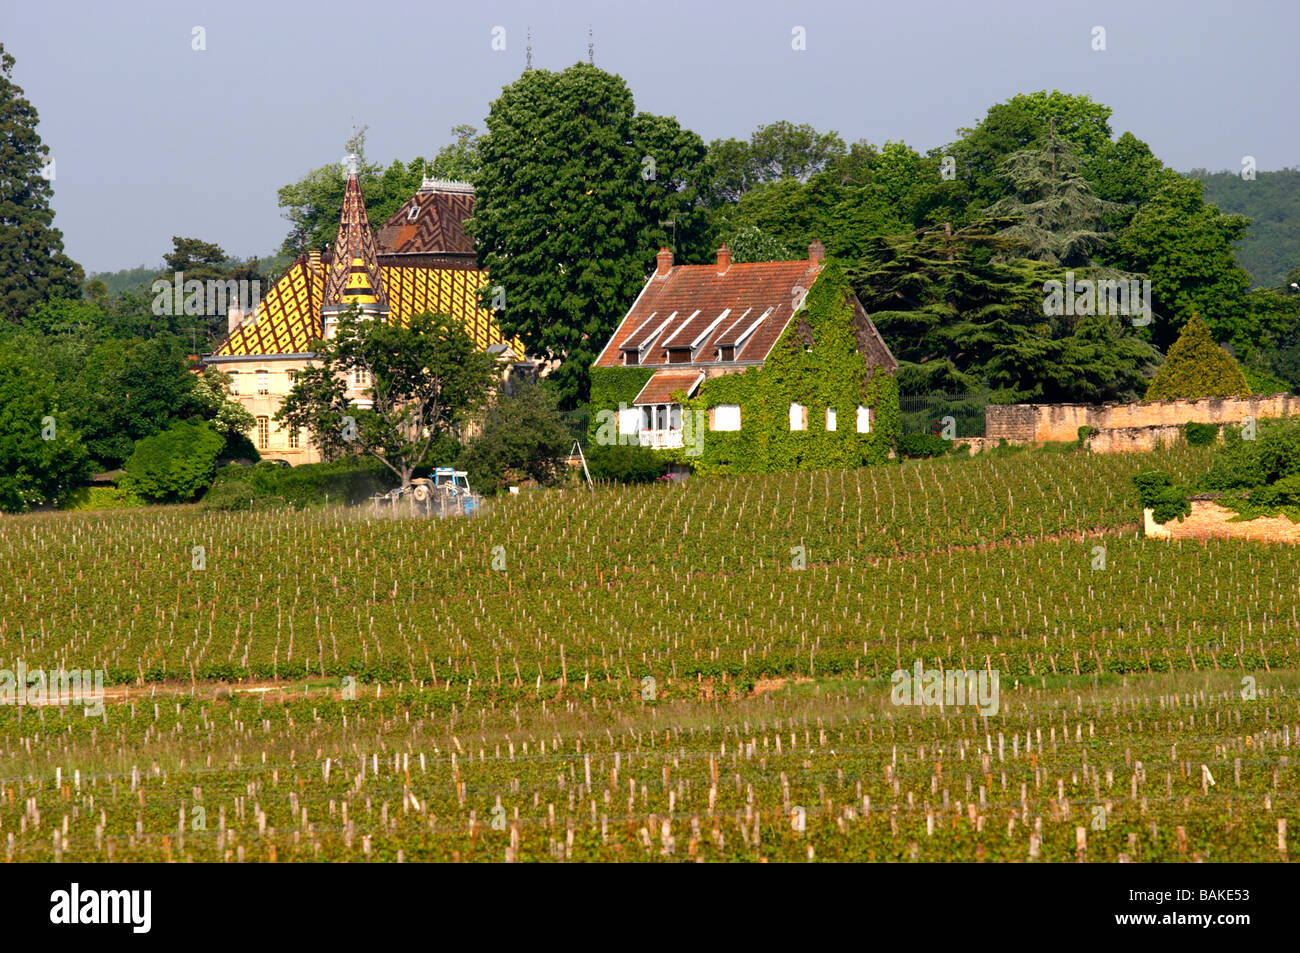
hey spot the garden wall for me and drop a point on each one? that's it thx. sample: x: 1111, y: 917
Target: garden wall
x: 1210, y: 520
x: 1124, y: 427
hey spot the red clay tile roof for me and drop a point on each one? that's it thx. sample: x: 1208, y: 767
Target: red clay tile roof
x: 695, y: 296
x: 659, y: 388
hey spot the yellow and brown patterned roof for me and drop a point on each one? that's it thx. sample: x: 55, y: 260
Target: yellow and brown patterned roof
x: 355, y: 264
x: 289, y: 317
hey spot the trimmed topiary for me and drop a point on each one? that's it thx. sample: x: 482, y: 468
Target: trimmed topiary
x: 1196, y: 367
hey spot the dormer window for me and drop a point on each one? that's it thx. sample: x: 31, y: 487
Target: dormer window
x: 413, y: 214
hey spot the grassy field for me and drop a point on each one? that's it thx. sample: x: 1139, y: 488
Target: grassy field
x: 698, y: 671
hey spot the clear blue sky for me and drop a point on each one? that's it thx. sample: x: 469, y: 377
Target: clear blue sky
x: 152, y: 138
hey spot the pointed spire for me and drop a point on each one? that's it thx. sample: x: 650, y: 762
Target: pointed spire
x: 354, y: 273
x: 528, y: 52
x: 591, y: 47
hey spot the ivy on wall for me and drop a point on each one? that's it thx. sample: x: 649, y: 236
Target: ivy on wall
x: 832, y: 373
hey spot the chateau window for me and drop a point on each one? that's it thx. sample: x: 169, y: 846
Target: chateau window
x: 864, y: 420
x: 413, y: 214
x: 263, y: 382
x: 293, y: 438
x: 629, y: 421
x: 798, y: 417
x: 263, y: 432
x: 360, y: 377
x: 234, y: 383
x: 726, y: 417
x: 830, y: 418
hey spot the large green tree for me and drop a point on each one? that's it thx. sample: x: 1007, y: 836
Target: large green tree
x: 1059, y: 219
x: 574, y: 192
x: 523, y: 433
x: 775, y: 151
x: 427, y: 378
x: 959, y: 315
x: 1018, y: 124
x: 1185, y: 247
x: 42, y: 458
x: 33, y: 266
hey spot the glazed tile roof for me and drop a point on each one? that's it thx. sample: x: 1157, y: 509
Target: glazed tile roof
x: 432, y: 221
x: 289, y: 317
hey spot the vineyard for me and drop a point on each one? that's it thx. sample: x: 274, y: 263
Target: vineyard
x: 673, y: 672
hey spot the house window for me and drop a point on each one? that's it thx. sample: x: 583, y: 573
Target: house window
x: 360, y: 377
x: 830, y: 418
x: 234, y: 383
x: 263, y: 432
x: 263, y: 382
x: 864, y: 420
x: 293, y: 438
x: 726, y: 417
x: 798, y: 417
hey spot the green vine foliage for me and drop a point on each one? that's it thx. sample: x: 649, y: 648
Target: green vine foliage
x: 832, y: 373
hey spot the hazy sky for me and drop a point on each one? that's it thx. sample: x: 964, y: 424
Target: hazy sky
x: 152, y: 138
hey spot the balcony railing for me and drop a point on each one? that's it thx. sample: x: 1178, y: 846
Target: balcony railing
x: 660, y: 439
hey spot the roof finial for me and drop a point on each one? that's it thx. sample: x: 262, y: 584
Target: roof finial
x: 528, y: 52
x: 591, y: 47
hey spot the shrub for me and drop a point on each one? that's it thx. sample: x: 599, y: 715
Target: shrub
x: 1158, y: 493
x: 352, y: 480
x: 524, y: 433
x: 101, y: 498
x: 175, y: 465
x: 918, y: 446
x: 1261, y: 382
x: 1200, y: 435
x: 625, y: 463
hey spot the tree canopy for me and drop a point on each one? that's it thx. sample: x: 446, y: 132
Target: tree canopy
x: 33, y: 266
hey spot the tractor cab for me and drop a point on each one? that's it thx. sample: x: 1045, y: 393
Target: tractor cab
x: 451, y: 486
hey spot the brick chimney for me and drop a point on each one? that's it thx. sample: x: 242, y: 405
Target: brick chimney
x: 724, y: 258
x: 816, y: 252
x: 313, y: 261
x: 663, y: 261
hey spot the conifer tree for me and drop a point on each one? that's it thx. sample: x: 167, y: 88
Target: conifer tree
x: 33, y: 266
x: 1060, y: 218
x: 1197, y: 367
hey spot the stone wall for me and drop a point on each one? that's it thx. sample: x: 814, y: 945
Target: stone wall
x: 1210, y: 520
x: 1133, y: 439
x: 1121, y: 427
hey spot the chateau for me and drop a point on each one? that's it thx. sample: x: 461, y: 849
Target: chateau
x: 421, y: 260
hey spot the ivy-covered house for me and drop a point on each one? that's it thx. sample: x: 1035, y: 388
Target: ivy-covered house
x: 741, y: 368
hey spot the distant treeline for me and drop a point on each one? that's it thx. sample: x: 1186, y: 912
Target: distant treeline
x: 1272, y: 203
